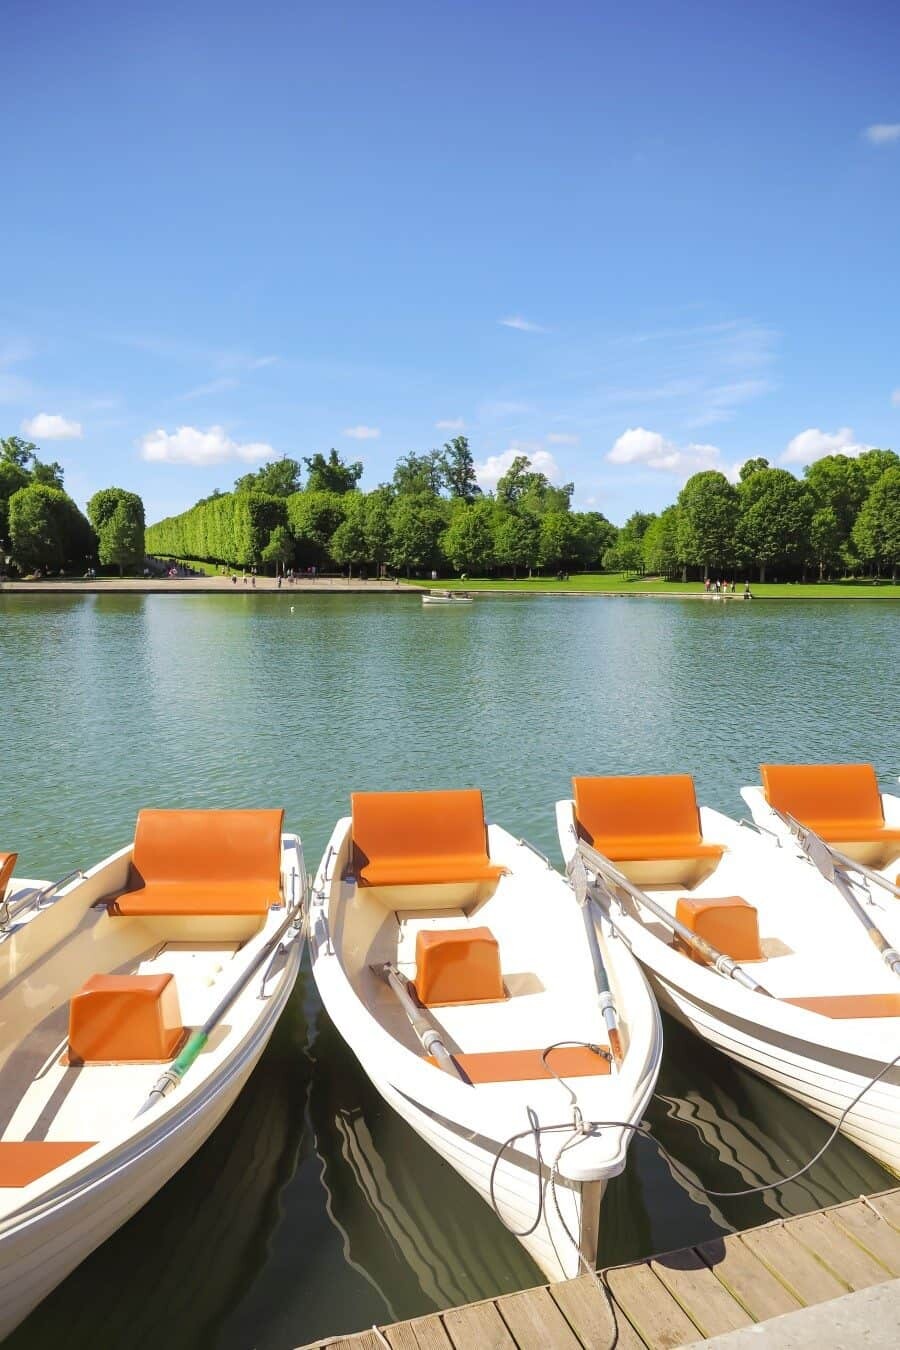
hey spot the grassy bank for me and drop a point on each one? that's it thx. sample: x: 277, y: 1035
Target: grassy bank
x: 611, y: 583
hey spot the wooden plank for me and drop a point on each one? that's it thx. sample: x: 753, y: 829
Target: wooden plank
x: 591, y: 1313
x: 840, y: 1253
x: 650, y: 1307
x: 423, y: 1333
x: 535, y: 1321
x: 888, y: 1205
x: 874, y: 1234
x: 363, y: 1340
x: 703, y: 1298
x: 479, y: 1325
x: 747, y: 1279
x: 793, y: 1264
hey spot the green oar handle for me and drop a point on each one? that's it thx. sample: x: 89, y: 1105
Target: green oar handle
x: 192, y: 1048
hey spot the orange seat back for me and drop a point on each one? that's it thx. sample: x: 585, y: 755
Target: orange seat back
x: 206, y: 847
x: 729, y: 923
x: 458, y: 965
x: 833, y: 799
x: 120, y: 1019
x: 410, y: 838
x: 7, y: 867
x: 615, y: 814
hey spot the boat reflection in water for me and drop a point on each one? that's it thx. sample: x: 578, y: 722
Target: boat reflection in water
x: 728, y: 1130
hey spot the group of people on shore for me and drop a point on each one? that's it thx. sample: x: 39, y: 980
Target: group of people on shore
x: 719, y: 587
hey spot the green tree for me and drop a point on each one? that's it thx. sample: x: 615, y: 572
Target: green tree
x: 349, y: 544
x: 838, y: 482
x: 49, y: 475
x: 279, y: 551
x: 12, y: 477
x: 117, y: 518
x: 379, y: 507
x: 593, y: 534
x: 825, y: 539
x: 659, y: 544
x: 708, y: 508
x: 873, y: 463
x: 331, y: 474
x: 458, y: 468
x: 468, y: 540
x: 16, y: 451
x: 876, y: 533
x: 774, y: 523
x: 752, y: 466
x: 314, y: 516
x: 556, y: 539
x: 416, y: 526
x: 515, y: 540
x: 46, y: 529
x: 418, y: 474
x: 281, y: 478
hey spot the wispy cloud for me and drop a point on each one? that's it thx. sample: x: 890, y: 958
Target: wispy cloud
x: 813, y: 444
x: 895, y: 398
x: 498, y: 409
x: 522, y: 325
x: 639, y: 446
x: 491, y: 470
x: 218, y: 386
x: 52, y: 427
x: 451, y: 424
x: 718, y: 403
x: 882, y: 133
x: 362, y: 433
x: 562, y: 438
x: 189, y: 445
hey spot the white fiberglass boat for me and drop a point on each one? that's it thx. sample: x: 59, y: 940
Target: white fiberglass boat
x: 456, y: 964
x: 171, y: 960
x: 748, y: 946
x: 447, y: 598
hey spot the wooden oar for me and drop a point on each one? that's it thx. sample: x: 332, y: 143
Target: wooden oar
x: 173, y: 1074
x: 608, y: 876
x: 429, y: 1039
x: 579, y: 879
x: 831, y: 865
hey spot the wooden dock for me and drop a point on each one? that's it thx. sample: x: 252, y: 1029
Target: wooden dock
x: 677, y: 1298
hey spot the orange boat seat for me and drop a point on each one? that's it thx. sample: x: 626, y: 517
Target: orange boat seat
x: 646, y: 820
x: 845, y: 1006
x: 7, y: 867
x: 22, y: 1162
x: 840, y: 802
x: 458, y: 965
x: 420, y: 838
x: 524, y: 1066
x: 116, y: 1019
x: 203, y: 863
x: 729, y: 923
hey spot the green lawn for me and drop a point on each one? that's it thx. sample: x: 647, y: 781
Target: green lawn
x: 593, y: 582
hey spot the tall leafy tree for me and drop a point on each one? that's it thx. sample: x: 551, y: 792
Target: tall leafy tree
x: 314, y: 515
x: 281, y: 478
x: 468, y: 540
x: 458, y: 466
x: 377, y: 524
x: 331, y: 474
x: 416, y: 526
x: 751, y: 466
x: 876, y: 532
x: 659, y: 544
x: 46, y: 529
x: 279, y: 551
x: 707, y: 520
x: 117, y: 517
x: 837, y: 481
x: 515, y: 540
x: 873, y: 463
x: 349, y: 544
x: 775, y: 518
x: 417, y: 474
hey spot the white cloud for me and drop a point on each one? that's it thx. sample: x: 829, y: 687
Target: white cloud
x: 451, y: 424
x: 813, y: 444
x: 895, y: 398
x: 882, y: 133
x: 495, y: 466
x: 362, y: 433
x: 637, y: 445
x: 561, y: 438
x: 523, y: 325
x: 52, y: 427
x: 189, y: 445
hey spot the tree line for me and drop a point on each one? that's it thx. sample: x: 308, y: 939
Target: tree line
x: 42, y: 529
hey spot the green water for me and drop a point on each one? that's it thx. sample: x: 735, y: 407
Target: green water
x: 313, y: 1209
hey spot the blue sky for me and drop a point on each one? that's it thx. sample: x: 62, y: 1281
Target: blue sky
x: 629, y: 241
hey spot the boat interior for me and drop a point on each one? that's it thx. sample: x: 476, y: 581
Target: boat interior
x: 101, y: 989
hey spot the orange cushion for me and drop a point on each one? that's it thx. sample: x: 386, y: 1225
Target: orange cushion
x: 204, y: 862
x: 125, y: 1019
x: 420, y: 838
x: 729, y: 923
x: 851, y: 1005
x: 638, y: 818
x: 458, y: 965
x: 523, y: 1066
x: 26, y: 1161
x: 827, y: 797
x: 7, y: 867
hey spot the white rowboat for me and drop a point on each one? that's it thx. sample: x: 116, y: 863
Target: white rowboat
x: 412, y: 892
x: 126, y: 984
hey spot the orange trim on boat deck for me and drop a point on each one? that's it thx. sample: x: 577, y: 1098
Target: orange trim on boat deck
x: 844, y: 1006
x: 26, y: 1161
x: 524, y: 1066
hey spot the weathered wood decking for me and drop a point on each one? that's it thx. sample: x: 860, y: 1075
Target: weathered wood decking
x: 676, y: 1298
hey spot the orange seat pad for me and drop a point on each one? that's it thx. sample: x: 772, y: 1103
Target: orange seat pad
x: 420, y: 838
x: 457, y: 965
x: 125, y: 1019
x: 729, y: 923
x: 203, y: 862
x: 7, y: 867
x: 526, y: 1066
x: 22, y: 1163
x: 631, y: 818
x: 845, y: 1006
x: 838, y: 801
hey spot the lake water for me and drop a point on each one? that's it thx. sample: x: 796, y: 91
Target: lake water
x: 314, y: 1209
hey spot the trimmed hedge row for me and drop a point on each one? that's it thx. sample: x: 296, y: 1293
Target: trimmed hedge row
x: 233, y: 528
